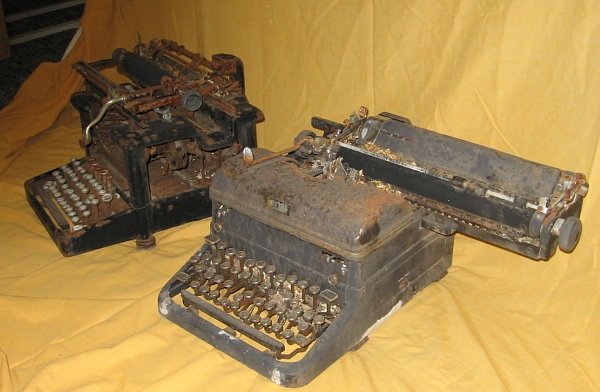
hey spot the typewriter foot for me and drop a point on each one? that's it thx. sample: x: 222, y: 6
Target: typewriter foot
x: 146, y: 244
x: 360, y: 344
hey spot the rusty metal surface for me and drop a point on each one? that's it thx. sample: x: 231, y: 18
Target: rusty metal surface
x: 277, y: 191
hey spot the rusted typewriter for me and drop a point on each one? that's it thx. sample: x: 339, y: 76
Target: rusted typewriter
x: 153, y: 143
x: 312, y: 248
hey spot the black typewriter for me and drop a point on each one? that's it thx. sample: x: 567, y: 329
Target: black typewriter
x: 153, y: 142
x: 314, y: 247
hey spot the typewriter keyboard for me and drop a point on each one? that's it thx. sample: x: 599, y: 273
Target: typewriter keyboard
x: 280, y: 311
x: 78, y: 194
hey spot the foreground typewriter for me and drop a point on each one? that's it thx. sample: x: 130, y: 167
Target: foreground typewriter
x: 153, y: 144
x: 313, y: 247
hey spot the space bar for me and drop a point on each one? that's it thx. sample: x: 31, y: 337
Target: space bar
x: 234, y: 323
x: 54, y: 211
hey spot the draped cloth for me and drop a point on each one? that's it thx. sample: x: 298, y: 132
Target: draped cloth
x: 518, y: 77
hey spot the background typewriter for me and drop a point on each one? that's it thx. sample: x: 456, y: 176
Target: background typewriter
x: 152, y: 142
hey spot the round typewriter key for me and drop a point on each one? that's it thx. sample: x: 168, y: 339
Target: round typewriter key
x: 216, y: 262
x: 203, y: 290
x: 270, y: 269
x: 302, y: 285
x: 319, y: 319
x: 194, y: 285
x: 271, y: 293
x: 304, y: 328
x: 230, y: 254
x: 249, y: 264
x: 288, y: 334
x: 207, y: 258
x: 61, y: 180
x: 259, y: 302
x: 280, y: 279
x: 287, y: 296
x: 245, y: 275
x: 314, y: 291
x: 223, y: 302
x: 234, y: 305
x: 221, y: 246
x: 235, y: 271
x: 218, y: 279
x: 77, y: 227
x: 208, y: 275
x: 225, y: 267
x: 199, y: 267
x: 265, y: 285
x: 248, y: 294
x: 277, y: 328
x: 254, y: 281
x: 227, y: 284
x: 238, y: 297
x: 240, y: 256
x: 86, y: 213
x: 297, y: 310
x: 292, y: 318
x: 308, y: 315
x: 213, y: 294
x: 292, y: 280
x: 75, y: 219
x: 255, y: 319
x: 280, y: 310
x: 56, y: 173
x: 64, y: 185
x: 71, y: 213
x: 270, y: 305
x: 265, y: 322
x: 261, y: 264
x: 244, y: 315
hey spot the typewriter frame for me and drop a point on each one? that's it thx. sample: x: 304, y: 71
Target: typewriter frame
x: 376, y: 277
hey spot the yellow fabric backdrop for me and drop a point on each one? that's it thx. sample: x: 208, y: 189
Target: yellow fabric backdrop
x: 521, y: 77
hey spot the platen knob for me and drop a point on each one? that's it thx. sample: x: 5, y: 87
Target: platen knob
x: 569, y: 233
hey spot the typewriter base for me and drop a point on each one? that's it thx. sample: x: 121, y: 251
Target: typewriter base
x: 115, y: 224
x: 365, y: 309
